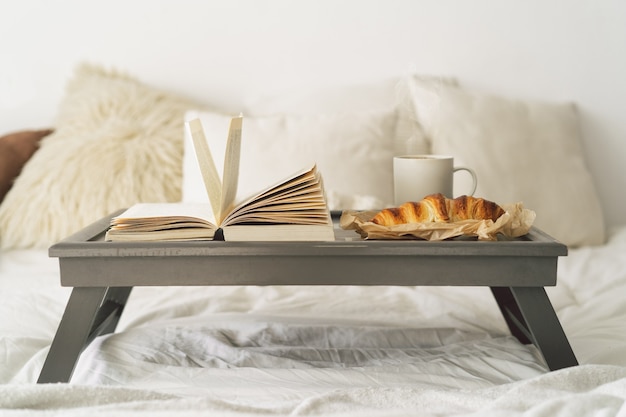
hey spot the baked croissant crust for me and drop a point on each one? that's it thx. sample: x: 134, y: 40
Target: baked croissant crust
x: 438, y: 208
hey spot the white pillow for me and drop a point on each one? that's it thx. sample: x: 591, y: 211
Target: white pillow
x: 388, y: 94
x: 353, y: 152
x: 521, y: 151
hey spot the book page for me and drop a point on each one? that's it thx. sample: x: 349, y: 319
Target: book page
x: 156, y: 213
x: 255, y: 197
x: 230, y: 178
x: 163, y: 221
x: 210, y: 176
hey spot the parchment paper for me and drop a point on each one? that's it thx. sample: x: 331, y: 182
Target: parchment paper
x: 515, y: 222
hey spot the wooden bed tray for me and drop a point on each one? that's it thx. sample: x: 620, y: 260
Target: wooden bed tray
x: 103, y: 274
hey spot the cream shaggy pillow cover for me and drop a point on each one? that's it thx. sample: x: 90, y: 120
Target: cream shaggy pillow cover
x: 116, y: 142
x: 527, y: 151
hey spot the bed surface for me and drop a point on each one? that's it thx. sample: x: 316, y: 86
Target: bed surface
x: 312, y: 350
x: 537, y: 113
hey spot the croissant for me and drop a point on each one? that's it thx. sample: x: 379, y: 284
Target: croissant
x: 437, y: 208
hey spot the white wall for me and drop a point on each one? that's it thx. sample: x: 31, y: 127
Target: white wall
x: 223, y: 51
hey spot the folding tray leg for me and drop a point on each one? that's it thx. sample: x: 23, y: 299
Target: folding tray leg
x: 90, y: 311
x: 532, y: 319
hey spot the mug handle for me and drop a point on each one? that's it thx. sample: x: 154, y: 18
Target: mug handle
x: 474, y: 177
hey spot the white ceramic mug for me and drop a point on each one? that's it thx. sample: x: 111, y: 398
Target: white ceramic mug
x: 416, y: 176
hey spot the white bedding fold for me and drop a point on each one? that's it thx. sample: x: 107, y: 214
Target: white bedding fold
x: 589, y: 390
x: 232, y: 354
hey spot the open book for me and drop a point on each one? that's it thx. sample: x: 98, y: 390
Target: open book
x: 290, y: 210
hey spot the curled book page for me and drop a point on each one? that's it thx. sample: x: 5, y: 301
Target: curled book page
x: 230, y: 179
x: 211, y: 178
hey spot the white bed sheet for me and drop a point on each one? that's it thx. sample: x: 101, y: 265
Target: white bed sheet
x: 308, y: 350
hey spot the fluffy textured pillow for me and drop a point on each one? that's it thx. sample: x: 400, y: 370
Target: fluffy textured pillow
x: 521, y: 151
x: 116, y: 142
x: 353, y: 151
x: 15, y: 150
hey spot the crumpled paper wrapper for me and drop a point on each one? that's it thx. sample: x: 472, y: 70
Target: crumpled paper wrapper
x: 515, y: 222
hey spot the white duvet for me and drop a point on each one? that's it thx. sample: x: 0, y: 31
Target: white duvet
x: 319, y: 350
